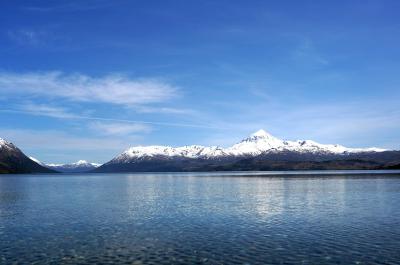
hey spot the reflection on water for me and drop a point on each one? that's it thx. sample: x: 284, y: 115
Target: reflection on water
x: 200, y: 218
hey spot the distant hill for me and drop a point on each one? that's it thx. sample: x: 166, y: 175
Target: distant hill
x: 13, y: 160
x: 259, y: 151
x: 77, y: 167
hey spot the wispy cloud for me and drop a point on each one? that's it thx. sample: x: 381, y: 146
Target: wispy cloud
x: 113, y: 89
x: 58, y: 140
x: 118, y: 129
x: 69, y: 6
x: 163, y: 110
x: 27, y: 36
x: 46, y: 110
x: 306, y: 52
x: 96, y: 118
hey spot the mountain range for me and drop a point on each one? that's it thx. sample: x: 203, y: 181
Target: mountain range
x: 77, y: 167
x: 260, y: 151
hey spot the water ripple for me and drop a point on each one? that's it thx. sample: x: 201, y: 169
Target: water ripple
x: 190, y: 219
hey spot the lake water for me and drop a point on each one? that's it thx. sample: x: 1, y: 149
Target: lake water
x: 233, y: 218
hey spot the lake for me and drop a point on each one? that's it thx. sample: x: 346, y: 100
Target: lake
x: 201, y: 218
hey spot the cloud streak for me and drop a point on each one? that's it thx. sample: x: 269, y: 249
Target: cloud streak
x: 83, y: 117
x: 27, y: 36
x: 47, y: 110
x: 112, y: 89
x: 69, y: 6
x: 118, y: 129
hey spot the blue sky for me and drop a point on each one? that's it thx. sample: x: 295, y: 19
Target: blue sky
x: 88, y: 79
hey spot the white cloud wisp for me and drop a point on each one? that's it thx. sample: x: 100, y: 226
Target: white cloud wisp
x: 118, y: 129
x: 113, y: 89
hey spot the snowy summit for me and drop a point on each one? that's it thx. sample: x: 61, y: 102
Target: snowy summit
x: 6, y: 145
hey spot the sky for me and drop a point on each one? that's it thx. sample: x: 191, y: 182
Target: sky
x: 88, y: 79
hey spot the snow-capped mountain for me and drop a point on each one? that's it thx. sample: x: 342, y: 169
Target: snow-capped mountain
x: 262, y: 142
x: 13, y: 160
x: 256, y: 144
x: 259, y: 151
x: 79, y: 166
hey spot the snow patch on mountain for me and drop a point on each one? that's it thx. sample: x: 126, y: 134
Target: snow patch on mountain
x: 37, y: 161
x: 192, y: 151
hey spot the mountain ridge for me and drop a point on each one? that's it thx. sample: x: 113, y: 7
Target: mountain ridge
x: 80, y: 166
x: 256, y: 144
x: 77, y: 167
x: 259, y: 146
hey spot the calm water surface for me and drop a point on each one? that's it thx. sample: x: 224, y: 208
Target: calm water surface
x: 200, y: 219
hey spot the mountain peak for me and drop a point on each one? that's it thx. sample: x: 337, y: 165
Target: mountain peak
x: 81, y: 162
x: 260, y: 133
x: 6, y: 144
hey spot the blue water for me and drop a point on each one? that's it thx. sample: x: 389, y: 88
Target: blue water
x: 200, y: 219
